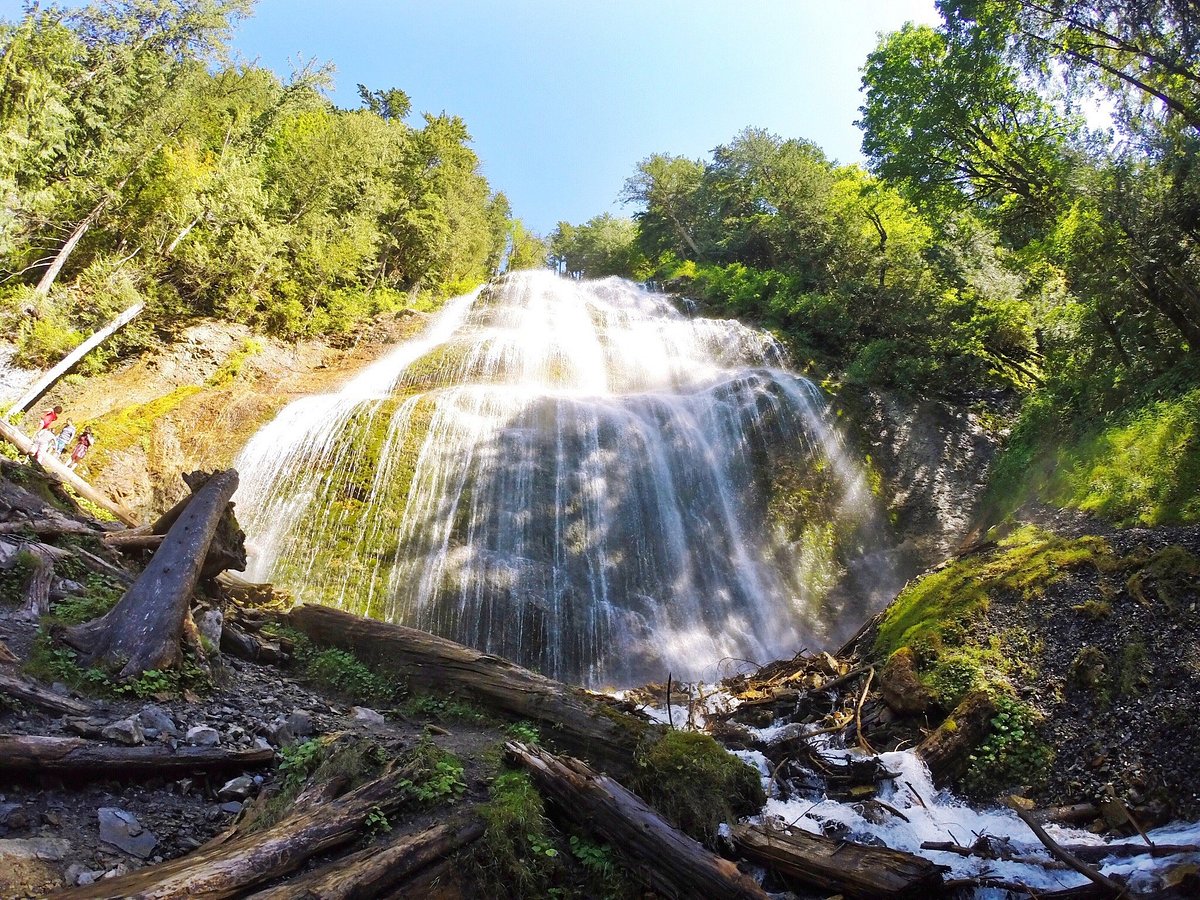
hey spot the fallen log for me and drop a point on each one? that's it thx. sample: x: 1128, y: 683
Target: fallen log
x: 247, y: 861
x: 947, y: 750
x: 32, y: 692
x: 67, y: 477
x: 84, y: 759
x: 370, y: 872
x: 1062, y: 855
x: 244, y: 645
x: 855, y: 870
x: 144, y: 630
x: 663, y: 858
x: 572, y: 719
x: 48, y: 527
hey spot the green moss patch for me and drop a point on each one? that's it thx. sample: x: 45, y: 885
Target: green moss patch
x: 696, y: 784
x: 131, y: 426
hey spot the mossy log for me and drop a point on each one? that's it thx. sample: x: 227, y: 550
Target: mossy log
x: 144, y: 630
x: 948, y: 750
x: 31, y: 692
x: 663, y: 858
x: 78, y: 758
x: 572, y: 719
x: 855, y: 870
x: 370, y: 872
x: 232, y: 868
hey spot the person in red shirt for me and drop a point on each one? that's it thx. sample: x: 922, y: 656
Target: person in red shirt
x: 48, y: 418
x: 82, y: 443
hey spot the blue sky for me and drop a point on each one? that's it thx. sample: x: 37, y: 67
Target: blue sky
x: 564, y: 98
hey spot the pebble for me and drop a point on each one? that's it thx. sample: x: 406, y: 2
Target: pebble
x: 203, y: 736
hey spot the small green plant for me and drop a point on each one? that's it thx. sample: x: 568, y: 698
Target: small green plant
x: 299, y: 761
x: 524, y: 731
x: 343, y: 672
x: 102, y: 595
x: 438, y: 776
x: 442, y: 708
x: 377, y: 822
x: 510, y: 857
x: 596, y: 858
x: 1012, y: 755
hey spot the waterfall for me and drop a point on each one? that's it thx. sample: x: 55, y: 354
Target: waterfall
x: 576, y: 476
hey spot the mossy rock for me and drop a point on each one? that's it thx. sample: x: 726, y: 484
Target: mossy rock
x: 697, y: 784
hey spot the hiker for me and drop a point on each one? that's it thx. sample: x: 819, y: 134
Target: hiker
x: 43, y: 443
x: 82, y: 443
x: 64, y: 436
x: 48, y: 418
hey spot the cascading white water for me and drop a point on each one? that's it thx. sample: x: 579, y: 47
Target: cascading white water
x: 567, y: 474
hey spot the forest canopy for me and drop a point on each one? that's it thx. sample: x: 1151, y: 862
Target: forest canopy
x: 140, y: 160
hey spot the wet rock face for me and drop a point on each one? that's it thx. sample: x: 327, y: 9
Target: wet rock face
x: 930, y: 462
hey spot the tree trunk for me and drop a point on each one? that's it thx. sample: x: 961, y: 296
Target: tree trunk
x: 143, y: 631
x: 844, y: 867
x: 232, y: 868
x: 83, y: 759
x: 60, y: 258
x: 573, y: 719
x: 32, y: 692
x: 37, y: 590
x: 44, y: 383
x: 663, y: 858
x: 370, y: 872
x: 67, y: 477
x: 948, y: 749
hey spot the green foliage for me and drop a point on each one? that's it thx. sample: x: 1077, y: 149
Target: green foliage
x: 1012, y: 755
x: 511, y: 856
x: 442, y: 708
x: 1025, y: 563
x: 526, y: 732
x: 604, y: 245
x: 377, y: 822
x: 50, y: 662
x: 14, y: 578
x: 102, y: 595
x: 344, y: 673
x: 438, y: 776
x: 696, y: 784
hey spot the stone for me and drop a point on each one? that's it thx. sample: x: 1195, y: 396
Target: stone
x: 152, y: 716
x: 300, y: 722
x: 125, y: 731
x: 902, y: 689
x: 122, y: 830
x: 826, y: 663
x: 237, y: 788
x: 280, y: 734
x: 211, y: 623
x: 31, y: 867
x: 364, y: 715
x: 80, y: 875
x: 203, y: 736
x: 233, y: 806
x: 261, y: 743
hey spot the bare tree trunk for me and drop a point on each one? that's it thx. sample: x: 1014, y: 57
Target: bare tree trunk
x: 44, y: 383
x: 143, y: 631
x: 64, y: 252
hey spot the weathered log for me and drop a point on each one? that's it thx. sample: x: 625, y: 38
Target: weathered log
x: 133, y: 539
x: 947, y: 751
x: 231, y: 869
x: 855, y: 870
x: 143, y: 631
x: 370, y: 872
x: 32, y: 692
x: 1076, y: 814
x: 662, y: 857
x: 6, y: 656
x: 48, y: 527
x: 572, y: 719
x: 83, y: 759
x: 1062, y: 855
x: 244, y: 645
x: 37, y: 588
x: 60, y: 472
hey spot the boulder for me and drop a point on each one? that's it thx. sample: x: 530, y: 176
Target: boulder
x: 122, y: 830
x: 203, y: 736
x: 364, y: 715
x: 125, y: 731
x: 902, y: 689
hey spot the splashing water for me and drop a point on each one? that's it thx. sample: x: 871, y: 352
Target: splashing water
x: 576, y: 476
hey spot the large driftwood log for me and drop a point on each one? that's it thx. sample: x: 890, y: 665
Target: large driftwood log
x: 663, y: 858
x: 855, y: 870
x: 32, y: 692
x: 83, y: 759
x: 233, y: 868
x: 370, y: 872
x: 572, y: 719
x: 947, y: 751
x: 143, y: 631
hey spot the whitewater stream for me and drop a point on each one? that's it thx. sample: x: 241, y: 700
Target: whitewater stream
x: 571, y: 475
